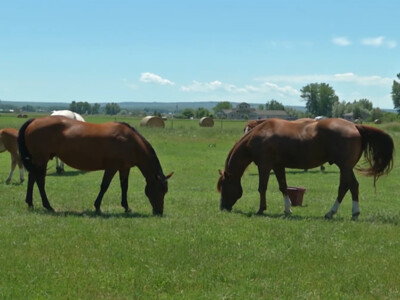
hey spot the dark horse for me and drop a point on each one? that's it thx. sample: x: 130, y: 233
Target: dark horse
x: 276, y: 144
x: 110, y: 147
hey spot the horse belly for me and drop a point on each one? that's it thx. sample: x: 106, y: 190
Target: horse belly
x: 301, y: 157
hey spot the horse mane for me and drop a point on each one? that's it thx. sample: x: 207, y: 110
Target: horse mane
x: 148, y: 146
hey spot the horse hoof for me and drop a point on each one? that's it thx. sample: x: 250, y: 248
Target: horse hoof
x: 50, y: 209
x: 128, y: 210
x: 355, y: 217
x: 260, y: 212
x: 328, y: 216
x: 98, y: 211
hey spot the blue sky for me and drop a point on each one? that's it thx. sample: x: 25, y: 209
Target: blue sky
x: 172, y: 51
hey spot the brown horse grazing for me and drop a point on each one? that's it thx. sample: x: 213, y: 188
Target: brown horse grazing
x: 276, y: 144
x: 8, y: 141
x: 110, y: 147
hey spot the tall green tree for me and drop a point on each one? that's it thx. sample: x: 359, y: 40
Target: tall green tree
x: 320, y: 98
x: 396, y: 94
x: 188, y: 113
x: 274, y: 105
x: 222, y: 105
x: 112, y: 109
x: 201, y: 112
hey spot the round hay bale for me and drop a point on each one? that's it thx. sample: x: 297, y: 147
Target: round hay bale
x: 378, y: 121
x: 206, y: 122
x: 151, y: 121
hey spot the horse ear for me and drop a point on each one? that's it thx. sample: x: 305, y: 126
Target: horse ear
x: 169, y: 176
x: 220, y: 172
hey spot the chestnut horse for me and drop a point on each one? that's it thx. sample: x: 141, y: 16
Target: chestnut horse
x: 8, y: 141
x: 278, y: 144
x: 110, y: 147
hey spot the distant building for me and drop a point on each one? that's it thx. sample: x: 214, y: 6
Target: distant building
x: 349, y: 117
x: 244, y: 111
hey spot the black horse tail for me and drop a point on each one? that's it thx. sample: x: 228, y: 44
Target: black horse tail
x: 26, y: 157
x: 378, y: 148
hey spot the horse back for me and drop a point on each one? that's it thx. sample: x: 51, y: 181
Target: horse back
x: 8, y: 140
x: 306, y: 144
x: 85, y: 146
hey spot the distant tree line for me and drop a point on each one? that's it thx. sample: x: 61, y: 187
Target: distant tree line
x: 92, y: 109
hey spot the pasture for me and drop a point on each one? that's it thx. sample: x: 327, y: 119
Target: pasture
x: 195, y: 251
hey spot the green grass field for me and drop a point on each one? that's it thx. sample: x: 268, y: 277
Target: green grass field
x: 195, y: 251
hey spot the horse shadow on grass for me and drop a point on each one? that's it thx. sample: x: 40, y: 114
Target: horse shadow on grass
x: 302, y: 172
x: 92, y: 214
x: 67, y: 173
x: 291, y: 217
x: 393, y: 219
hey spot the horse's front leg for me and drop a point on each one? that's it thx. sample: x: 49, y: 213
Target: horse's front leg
x: 124, y: 177
x: 263, y: 177
x: 107, y: 177
x: 281, y: 177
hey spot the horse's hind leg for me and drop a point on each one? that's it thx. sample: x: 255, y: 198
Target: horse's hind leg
x: 40, y: 181
x: 263, y: 174
x: 13, y: 164
x: 21, y: 171
x: 123, y: 177
x: 347, y: 181
x: 354, y: 195
x: 107, y: 177
x: 29, y: 190
x: 281, y: 177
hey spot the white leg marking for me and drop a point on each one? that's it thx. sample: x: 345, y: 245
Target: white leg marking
x: 21, y: 174
x: 335, y: 207
x: 355, y: 210
x: 333, y: 210
x: 288, y: 204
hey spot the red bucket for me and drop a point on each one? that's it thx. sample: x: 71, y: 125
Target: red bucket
x: 296, y: 195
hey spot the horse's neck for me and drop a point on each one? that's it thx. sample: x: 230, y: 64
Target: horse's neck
x: 238, y: 161
x: 149, y: 165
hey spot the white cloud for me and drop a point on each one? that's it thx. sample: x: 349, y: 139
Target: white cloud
x: 341, y: 41
x: 349, y: 77
x: 148, y: 77
x: 202, y: 87
x: 379, y: 41
x: 247, y: 90
x: 376, y: 41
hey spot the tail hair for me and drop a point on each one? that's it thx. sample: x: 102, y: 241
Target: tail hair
x: 26, y: 157
x: 378, y: 148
